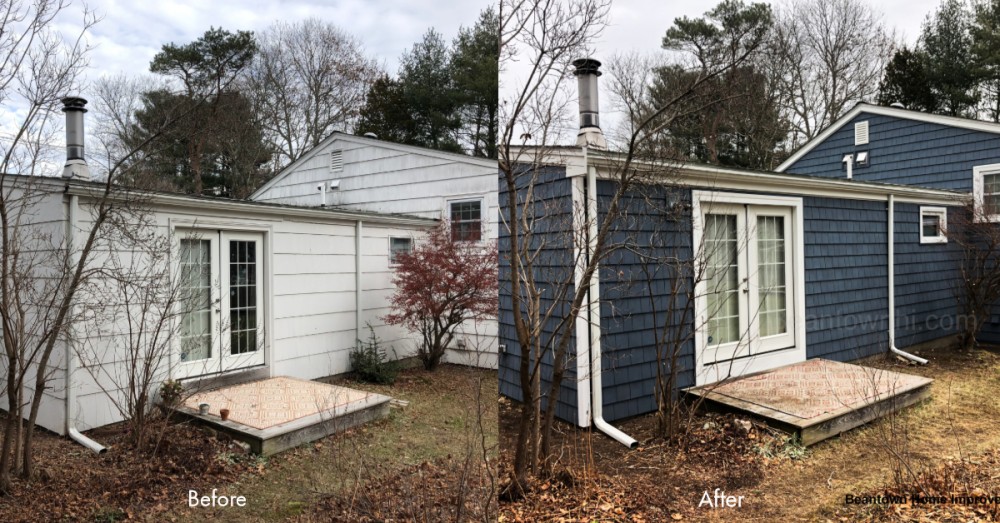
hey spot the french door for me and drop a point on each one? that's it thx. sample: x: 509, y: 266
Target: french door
x: 747, y: 272
x: 221, y: 302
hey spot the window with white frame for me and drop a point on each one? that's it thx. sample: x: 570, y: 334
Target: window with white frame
x: 399, y: 246
x: 466, y: 220
x: 933, y: 225
x: 986, y: 191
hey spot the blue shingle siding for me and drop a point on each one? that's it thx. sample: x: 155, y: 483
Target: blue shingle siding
x: 630, y: 320
x: 926, y: 279
x: 905, y: 152
x: 846, y: 277
x: 552, y: 226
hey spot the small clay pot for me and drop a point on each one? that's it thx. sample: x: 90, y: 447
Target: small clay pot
x: 203, y: 409
x: 224, y: 414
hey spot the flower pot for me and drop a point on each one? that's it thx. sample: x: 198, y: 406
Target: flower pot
x: 203, y: 409
x: 224, y: 414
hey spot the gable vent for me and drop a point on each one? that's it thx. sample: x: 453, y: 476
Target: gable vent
x: 861, y: 133
x: 336, y: 161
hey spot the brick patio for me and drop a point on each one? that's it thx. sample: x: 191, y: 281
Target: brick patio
x: 278, y: 413
x: 818, y: 398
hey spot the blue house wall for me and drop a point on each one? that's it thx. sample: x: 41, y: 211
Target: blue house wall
x: 552, y: 230
x: 846, y: 285
x: 904, y: 152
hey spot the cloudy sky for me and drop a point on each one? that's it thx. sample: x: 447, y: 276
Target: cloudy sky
x: 639, y: 25
x: 131, y: 32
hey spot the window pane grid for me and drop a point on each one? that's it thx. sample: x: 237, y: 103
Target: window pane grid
x: 723, y: 278
x: 196, y: 292
x: 466, y: 221
x: 242, y: 296
x: 771, y: 275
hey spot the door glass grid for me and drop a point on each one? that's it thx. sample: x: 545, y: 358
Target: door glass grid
x: 196, y: 298
x: 242, y: 296
x: 771, y: 275
x: 722, y: 276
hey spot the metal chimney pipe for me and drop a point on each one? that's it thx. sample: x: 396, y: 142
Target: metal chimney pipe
x: 76, y: 166
x: 590, y: 135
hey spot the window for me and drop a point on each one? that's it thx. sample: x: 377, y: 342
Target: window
x: 399, y: 246
x: 466, y: 221
x: 986, y: 191
x: 933, y: 225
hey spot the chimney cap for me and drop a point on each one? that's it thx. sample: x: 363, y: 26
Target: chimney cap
x: 74, y: 102
x: 586, y: 66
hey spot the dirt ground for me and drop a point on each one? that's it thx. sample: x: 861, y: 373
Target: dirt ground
x: 946, y: 444
x: 438, y: 441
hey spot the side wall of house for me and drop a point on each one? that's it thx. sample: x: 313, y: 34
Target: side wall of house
x: 377, y: 178
x: 927, y: 275
x: 40, y: 216
x: 846, y: 289
x: 552, y: 231
x: 311, y: 317
x: 905, y: 152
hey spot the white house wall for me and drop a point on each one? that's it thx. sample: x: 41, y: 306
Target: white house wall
x: 381, y: 178
x: 310, y: 272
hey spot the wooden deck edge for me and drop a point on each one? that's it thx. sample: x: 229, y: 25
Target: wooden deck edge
x: 268, y: 442
x: 830, y: 427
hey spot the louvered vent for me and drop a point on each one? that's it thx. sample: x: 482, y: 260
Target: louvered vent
x: 336, y: 161
x: 861, y: 133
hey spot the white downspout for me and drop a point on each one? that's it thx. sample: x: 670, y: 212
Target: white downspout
x: 359, y: 320
x: 594, y: 322
x: 892, y: 284
x: 71, y: 431
x: 849, y: 160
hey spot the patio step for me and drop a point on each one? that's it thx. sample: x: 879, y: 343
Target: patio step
x: 816, y: 399
x: 280, y: 413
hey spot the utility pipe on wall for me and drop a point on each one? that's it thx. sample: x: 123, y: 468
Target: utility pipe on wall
x: 594, y: 320
x: 71, y: 431
x: 892, y: 286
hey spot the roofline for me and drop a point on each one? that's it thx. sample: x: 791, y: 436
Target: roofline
x: 711, y: 176
x: 424, y: 151
x: 260, y: 208
x: 861, y: 107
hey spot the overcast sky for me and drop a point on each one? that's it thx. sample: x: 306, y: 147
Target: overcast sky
x: 639, y: 25
x: 131, y: 32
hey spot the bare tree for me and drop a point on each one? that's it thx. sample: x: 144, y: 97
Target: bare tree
x: 978, y: 290
x: 44, y: 262
x: 829, y: 54
x: 308, y: 79
x: 129, y: 316
x: 545, y: 36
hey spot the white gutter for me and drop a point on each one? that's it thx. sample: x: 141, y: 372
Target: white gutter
x: 71, y: 431
x: 594, y: 321
x: 892, y: 289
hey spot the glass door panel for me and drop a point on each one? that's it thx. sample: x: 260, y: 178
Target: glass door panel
x: 724, y: 274
x: 242, y: 331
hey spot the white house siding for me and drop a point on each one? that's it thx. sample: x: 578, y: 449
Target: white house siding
x: 309, y: 276
x: 382, y: 177
x: 42, y: 230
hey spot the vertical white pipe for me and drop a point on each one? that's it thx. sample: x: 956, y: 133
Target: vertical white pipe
x: 892, y: 284
x: 359, y: 320
x: 594, y: 322
x: 71, y: 431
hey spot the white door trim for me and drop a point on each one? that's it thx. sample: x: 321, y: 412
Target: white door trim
x: 178, y: 226
x: 711, y: 372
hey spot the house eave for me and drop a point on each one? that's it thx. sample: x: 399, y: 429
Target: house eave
x: 702, y: 176
x: 179, y: 201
